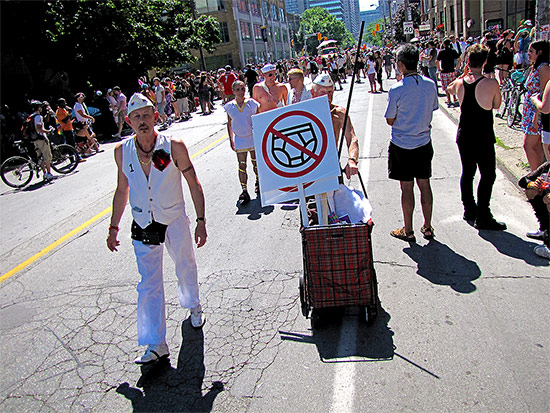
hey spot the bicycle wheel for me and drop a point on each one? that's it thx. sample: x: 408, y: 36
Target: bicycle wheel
x: 16, y: 171
x: 64, y: 159
x: 513, y: 108
x: 506, y: 93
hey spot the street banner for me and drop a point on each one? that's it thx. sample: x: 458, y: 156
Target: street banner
x: 424, y: 28
x: 295, y: 146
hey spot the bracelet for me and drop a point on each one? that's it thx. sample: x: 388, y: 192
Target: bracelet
x: 353, y: 159
x: 113, y: 227
x: 201, y: 219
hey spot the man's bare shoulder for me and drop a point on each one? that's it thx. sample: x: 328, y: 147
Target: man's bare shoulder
x: 489, y: 84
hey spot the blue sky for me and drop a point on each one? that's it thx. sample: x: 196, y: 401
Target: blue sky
x: 366, y: 4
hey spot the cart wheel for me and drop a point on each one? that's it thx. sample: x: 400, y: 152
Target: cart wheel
x: 315, y: 319
x: 303, y: 302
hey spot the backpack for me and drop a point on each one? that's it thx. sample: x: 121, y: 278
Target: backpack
x: 28, y: 130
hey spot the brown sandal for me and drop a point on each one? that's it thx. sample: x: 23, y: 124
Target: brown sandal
x: 427, y: 232
x: 402, y: 235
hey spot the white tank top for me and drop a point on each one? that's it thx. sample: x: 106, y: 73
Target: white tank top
x: 161, y: 196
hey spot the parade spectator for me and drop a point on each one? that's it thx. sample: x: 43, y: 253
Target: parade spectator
x: 112, y: 102
x: 411, y: 103
x: 149, y: 154
x: 121, y: 110
x: 226, y: 80
x: 333, y: 67
x: 448, y: 60
x: 64, y: 118
x: 455, y: 45
x: 535, y: 84
x: 478, y: 96
x: 40, y: 139
x: 204, y: 94
x: 371, y: 73
x: 269, y: 93
x: 388, y: 60
x: 160, y: 98
x: 489, y: 41
x: 378, y: 66
x: 182, y: 103
x: 323, y: 85
x: 537, y: 190
x: 505, y: 59
x: 341, y: 62
x: 298, y: 91
x: 521, y: 44
x: 251, y: 77
x: 84, y: 136
x: 313, y: 68
x: 542, y: 103
x: 239, y: 127
x: 432, y: 62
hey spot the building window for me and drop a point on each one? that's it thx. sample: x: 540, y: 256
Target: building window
x: 258, y: 32
x: 274, y: 12
x: 245, y: 31
x: 282, y: 14
x: 285, y: 37
x: 277, y: 34
x: 441, y: 17
x: 254, y: 7
x: 265, y: 9
x: 207, y: 6
x: 242, y: 6
x: 224, y: 31
x: 249, y: 57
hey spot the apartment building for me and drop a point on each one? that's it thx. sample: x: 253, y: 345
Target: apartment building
x: 472, y: 17
x: 253, y: 31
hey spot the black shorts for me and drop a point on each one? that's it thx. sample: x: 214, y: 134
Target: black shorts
x: 407, y: 164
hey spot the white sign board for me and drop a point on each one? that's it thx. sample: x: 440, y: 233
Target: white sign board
x: 425, y: 27
x: 408, y: 28
x: 295, y: 145
x: 544, y: 31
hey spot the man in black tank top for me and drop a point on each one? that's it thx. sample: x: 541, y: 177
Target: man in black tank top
x: 476, y: 138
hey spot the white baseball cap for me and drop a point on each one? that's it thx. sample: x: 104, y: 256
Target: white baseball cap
x: 138, y: 101
x: 268, y: 68
x: 323, y: 80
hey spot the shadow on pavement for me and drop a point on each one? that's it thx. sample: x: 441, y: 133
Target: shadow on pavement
x: 254, y: 209
x: 441, y: 265
x: 372, y: 342
x: 168, y: 389
x: 513, y: 246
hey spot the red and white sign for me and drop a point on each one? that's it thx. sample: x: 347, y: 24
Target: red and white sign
x: 296, y: 145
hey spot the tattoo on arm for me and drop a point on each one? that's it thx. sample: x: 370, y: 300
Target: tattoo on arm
x: 189, y: 168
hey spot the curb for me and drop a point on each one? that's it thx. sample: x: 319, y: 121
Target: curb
x: 503, y: 161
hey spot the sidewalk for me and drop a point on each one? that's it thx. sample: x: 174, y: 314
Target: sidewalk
x: 511, y: 157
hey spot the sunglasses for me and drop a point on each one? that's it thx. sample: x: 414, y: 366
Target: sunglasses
x: 270, y: 75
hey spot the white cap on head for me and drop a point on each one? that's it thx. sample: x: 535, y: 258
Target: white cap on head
x: 528, y: 23
x: 323, y: 80
x: 138, y: 101
x: 268, y: 68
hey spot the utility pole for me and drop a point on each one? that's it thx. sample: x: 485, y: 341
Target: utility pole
x: 391, y: 20
x: 407, y: 18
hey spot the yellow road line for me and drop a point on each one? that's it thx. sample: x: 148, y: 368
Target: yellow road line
x: 80, y: 228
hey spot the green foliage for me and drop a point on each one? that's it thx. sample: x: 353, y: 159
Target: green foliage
x: 100, y: 42
x: 318, y: 20
x: 399, y: 18
x: 369, y: 38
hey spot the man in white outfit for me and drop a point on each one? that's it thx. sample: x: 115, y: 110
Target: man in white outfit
x: 150, y: 167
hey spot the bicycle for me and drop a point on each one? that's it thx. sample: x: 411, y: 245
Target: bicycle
x: 17, y: 171
x: 507, y: 89
x: 515, y: 99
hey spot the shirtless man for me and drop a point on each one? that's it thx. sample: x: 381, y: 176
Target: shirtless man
x: 478, y: 96
x: 270, y: 93
x: 323, y: 85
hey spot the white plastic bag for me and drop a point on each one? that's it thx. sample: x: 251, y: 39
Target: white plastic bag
x: 350, y: 205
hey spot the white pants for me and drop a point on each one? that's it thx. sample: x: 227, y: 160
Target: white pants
x: 151, y: 316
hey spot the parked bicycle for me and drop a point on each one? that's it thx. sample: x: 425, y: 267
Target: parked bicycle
x: 515, y: 98
x: 17, y: 171
x: 507, y: 89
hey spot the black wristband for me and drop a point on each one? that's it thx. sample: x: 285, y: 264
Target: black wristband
x: 200, y: 219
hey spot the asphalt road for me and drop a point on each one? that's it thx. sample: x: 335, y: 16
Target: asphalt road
x: 463, y: 324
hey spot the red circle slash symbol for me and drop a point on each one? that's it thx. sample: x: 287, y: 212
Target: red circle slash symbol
x: 317, y: 157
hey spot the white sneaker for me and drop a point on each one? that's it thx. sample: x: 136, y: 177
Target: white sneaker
x: 197, y: 320
x: 542, y: 251
x: 538, y: 234
x: 154, y: 352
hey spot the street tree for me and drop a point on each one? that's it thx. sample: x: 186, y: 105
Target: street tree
x: 374, y: 39
x: 96, y: 43
x: 318, y: 20
x: 400, y: 16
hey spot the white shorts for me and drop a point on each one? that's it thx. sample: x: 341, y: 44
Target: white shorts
x: 546, y: 137
x: 243, y: 144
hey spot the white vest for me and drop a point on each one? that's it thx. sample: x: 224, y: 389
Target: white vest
x: 161, y: 196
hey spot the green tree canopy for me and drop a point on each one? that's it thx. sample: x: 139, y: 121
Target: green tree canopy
x: 399, y: 18
x: 98, y: 43
x: 374, y: 40
x: 319, y: 20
